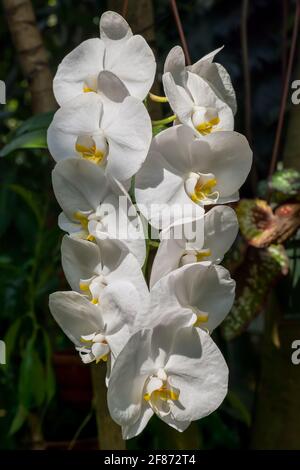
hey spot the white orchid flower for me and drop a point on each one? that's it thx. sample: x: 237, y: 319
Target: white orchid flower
x: 91, y: 267
x: 213, y: 73
x: 113, y: 134
x: 177, y: 373
x: 197, y: 105
x: 202, y: 294
x: 96, y: 206
x: 117, y: 50
x: 220, y: 230
x: 99, y: 332
x: 188, y: 172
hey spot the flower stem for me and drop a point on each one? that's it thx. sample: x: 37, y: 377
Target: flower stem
x: 164, y: 121
x: 158, y: 99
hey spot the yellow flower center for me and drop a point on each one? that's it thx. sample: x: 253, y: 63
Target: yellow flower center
x: 201, y: 318
x: 164, y: 393
x: 90, y: 153
x: 87, y: 89
x: 84, y: 222
x: 202, y: 254
x: 82, y: 218
x: 206, y: 127
x: 203, y: 189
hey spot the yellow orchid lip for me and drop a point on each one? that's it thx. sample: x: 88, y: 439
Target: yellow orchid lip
x: 206, y: 127
x: 87, y: 89
x: 203, y: 190
x: 84, y: 222
x: 201, y: 318
x: 82, y: 218
x: 164, y: 393
x: 91, y: 154
x: 103, y: 358
x: 202, y: 254
x: 84, y: 286
x: 199, y: 187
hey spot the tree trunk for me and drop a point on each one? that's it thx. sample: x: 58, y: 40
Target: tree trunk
x: 31, y: 52
x: 109, y: 433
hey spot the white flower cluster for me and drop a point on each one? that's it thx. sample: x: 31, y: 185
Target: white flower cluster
x: 156, y: 341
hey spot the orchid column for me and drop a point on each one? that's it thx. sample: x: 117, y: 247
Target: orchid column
x: 156, y: 340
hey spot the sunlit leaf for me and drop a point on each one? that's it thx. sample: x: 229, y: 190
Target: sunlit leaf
x: 30, y: 140
x: 286, y: 181
x: 39, y: 121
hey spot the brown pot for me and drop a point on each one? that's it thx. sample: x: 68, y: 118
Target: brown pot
x: 73, y: 378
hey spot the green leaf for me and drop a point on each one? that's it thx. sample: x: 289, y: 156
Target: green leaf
x: 18, y: 420
x: 49, y: 372
x: 39, y: 121
x: 11, y: 337
x: 30, y: 140
x: 239, y: 408
x: 32, y: 389
x: 30, y: 198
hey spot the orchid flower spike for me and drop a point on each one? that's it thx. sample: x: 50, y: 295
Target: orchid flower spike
x: 96, y: 206
x: 182, y: 174
x: 117, y: 50
x: 112, y: 130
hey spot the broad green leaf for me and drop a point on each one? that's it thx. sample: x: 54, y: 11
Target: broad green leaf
x: 30, y: 198
x: 30, y: 140
x: 39, y: 121
x: 18, y: 420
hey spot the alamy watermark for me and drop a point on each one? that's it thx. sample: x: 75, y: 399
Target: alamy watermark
x: 2, y: 352
x: 296, y: 94
x: 2, y: 92
x: 296, y: 354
